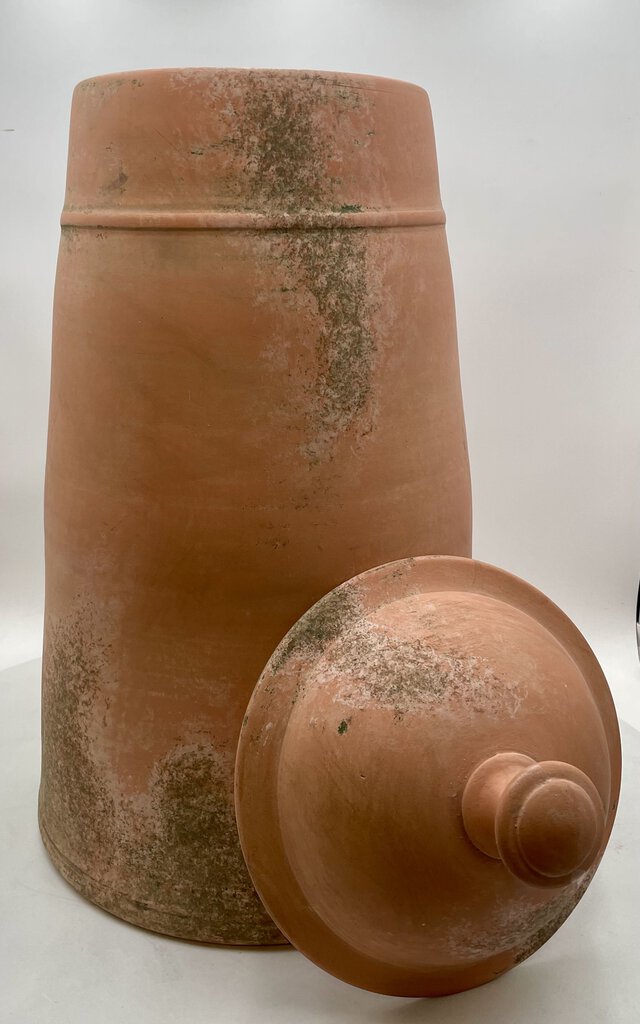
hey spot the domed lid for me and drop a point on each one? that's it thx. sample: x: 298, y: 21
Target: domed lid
x: 427, y: 776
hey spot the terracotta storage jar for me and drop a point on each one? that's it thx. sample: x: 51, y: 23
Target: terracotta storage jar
x: 255, y: 395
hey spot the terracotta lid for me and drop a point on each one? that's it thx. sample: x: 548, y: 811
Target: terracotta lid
x: 427, y: 776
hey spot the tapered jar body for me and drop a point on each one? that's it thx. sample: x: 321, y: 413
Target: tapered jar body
x: 255, y: 396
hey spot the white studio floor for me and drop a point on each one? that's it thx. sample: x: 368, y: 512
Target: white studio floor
x: 66, y: 962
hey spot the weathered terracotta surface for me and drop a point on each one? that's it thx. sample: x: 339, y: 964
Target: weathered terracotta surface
x: 427, y: 776
x: 255, y: 395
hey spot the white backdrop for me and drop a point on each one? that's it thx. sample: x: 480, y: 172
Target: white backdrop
x: 536, y: 106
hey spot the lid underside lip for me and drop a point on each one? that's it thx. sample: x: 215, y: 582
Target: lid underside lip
x: 258, y: 765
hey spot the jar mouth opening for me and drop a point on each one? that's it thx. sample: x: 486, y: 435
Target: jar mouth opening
x: 379, y: 83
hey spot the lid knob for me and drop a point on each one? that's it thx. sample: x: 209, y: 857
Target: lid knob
x: 543, y: 820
